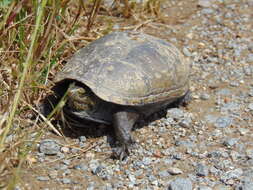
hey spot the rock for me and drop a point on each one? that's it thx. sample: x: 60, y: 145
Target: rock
x: 248, y: 70
x: 61, y: 167
x: 163, y: 174
x: 95, y: 167
x: 186, y: 122
x: 204, y: 188
x: 97, y: 170
x: 180, y: 184
x: 108, y: 3
x: 221, y: 187
x: 214, y: 171
x: 204, y: 96
x: 132, y: 178
x: 66, y: 181
x: 250, y: 58
x: 147, y: 161
x: 66, y: 172
x: 243, y: 131
x: 235, y: 155
x: 215, y: 154
x: 74, y: 150
x: 251, y: 92
x: 223, y: 122
x: 234, y: 84
x: 249, y: 153
x: 250, y: 106
x: 211, y: 118
x: 187, y: 144
x: 60, y: 155
x: 82, y: 139
x: 187, y: 52
x: 175, y: 113
x: 224, y: 92
x: 178, y: 156
x: 202, y: 170
x: 66, y: 162
x: 65, y: 149
x: 41, y: 178
x: 207, y: 11
x: 19, y: 188
x: 230, y: 107
x: 82, y: 167
x: 174, y: 171
x: 245, y: 186
x: 230, y: 142
x: 231, y: 175
x: 53, y: 174
x: 49, y: 147
x: 205, y: 3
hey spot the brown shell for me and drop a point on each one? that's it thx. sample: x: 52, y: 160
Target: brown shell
x: 130, y: 68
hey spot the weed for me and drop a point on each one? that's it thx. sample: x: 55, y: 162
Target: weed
x: 36, y: 37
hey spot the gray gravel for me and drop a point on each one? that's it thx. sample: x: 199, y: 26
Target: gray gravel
x: 180, y: 184
x: 49, y: 147
x: 202, y: 170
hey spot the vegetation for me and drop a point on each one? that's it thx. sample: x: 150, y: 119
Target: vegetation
x: 36, y: 37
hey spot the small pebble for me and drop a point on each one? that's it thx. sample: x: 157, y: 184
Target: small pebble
x: 82, y: 167
x: 53, y: 174
x: 49, y: 147
x: 230, y: 142
x: 249, y: 153
x: 174, y: 171
x: 41, y: 178
x: 180, y: 184
x: 187, y: 52
x: 250, y: 106
x: 66, y: 162
x: 65, y: 149
x: 202, y: 170
x: 175, y: 113
x: 204, y: 3
x: 204, y: 96
x: 223, y: 122
x: 66, y: 181
x: 82, y: 138
x: 221, y: 187
x: 204, y: 188
x: 245, y: 186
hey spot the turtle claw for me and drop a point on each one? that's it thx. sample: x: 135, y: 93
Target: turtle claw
x: 123, y: 151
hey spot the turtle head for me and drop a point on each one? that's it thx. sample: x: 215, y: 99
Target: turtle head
x: 78, y: 99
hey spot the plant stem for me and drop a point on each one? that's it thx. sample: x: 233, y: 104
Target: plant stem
x: 27, y: 64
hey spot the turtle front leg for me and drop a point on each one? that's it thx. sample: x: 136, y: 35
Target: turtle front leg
x: 123, y: 123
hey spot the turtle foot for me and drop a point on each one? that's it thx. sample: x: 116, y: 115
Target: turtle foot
x: 123, y: 151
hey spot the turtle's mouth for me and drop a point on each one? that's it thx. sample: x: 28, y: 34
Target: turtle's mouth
x: 79, y: 118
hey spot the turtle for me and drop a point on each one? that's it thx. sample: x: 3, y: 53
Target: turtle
x: 120, y: 78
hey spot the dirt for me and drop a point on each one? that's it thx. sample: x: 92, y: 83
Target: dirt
x: 206, y: 35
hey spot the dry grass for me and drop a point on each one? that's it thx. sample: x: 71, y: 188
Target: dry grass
x: 35, y: 39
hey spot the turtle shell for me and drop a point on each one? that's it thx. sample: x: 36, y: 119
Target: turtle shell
x: 129, y: 68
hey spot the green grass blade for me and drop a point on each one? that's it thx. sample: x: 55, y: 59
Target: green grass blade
x: 27, y: 64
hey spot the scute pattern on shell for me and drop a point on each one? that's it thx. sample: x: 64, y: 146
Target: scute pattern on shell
x: 130, y: 68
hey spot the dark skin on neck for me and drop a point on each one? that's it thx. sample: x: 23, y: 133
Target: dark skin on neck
x: 80, y: 100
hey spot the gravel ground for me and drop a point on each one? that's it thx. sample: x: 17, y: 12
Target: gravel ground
x: 206, y: 145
